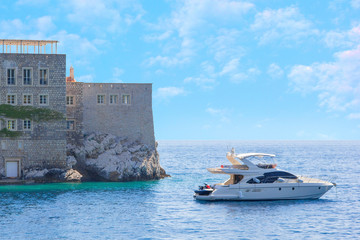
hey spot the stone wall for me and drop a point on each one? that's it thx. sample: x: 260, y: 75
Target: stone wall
x: 133, y: 120
x: 75, y: 112
x: 45, y: 144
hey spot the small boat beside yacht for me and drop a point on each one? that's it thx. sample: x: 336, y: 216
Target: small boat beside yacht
x: 262, y: 181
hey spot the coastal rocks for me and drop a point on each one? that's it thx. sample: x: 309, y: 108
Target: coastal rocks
x: 71, y: 175
x: 52, y: 175
x: 36, y: 174
x: 110, y: 158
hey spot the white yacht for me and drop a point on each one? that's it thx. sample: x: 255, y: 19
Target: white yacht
x: 263, y: 181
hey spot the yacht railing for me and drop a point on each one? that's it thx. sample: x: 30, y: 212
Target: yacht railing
x: 316, y: 179
x: 307, y: 179
x: 242, y: 167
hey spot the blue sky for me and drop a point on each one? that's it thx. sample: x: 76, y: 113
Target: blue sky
x: 224, y: 69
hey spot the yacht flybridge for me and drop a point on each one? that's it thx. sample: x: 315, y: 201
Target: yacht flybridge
x: 263, y: 181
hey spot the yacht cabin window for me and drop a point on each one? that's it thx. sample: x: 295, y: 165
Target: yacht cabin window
x: 271, y: 177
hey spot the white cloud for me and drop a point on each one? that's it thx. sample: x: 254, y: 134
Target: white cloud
x: 225, y: 45
x: 165, y: 61
x: 346, y: 39
x: 43, y: 28
x: 235, y: 73
x: 12, y: 28
x: 45, y: 24
x: 117, y: 72
x: 93, y: 15
x: 221, y: 114
x: 336, y: 83
x: 167, y: 92
x: 230, y: 67
x: 185, y: 23
x: 75, y: 44
x: 207, y: 79
x: 214, y: 111
x: 283, y: 25
x: 202, y: 81
x: 354, y: 116
x: 85, y: 78
x: 274, y: 71
x: 33, y: 3
x: 231, y: 70
x: 238, y: 76
x: 158, y: 37
x: 355, y: 4
x: 194, y: 14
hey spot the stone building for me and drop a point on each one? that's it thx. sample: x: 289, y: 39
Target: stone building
x: 34, y: 78
x: 38, y: 79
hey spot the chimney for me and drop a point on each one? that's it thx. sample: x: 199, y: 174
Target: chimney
x: 72, y: 73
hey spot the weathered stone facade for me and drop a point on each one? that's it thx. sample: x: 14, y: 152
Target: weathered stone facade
x: 132, y: 119
x: 44, y: 144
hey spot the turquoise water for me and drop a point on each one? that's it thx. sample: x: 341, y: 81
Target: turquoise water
x: 166, y: 209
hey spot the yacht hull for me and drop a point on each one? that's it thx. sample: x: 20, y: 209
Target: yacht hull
x: 259, y: 193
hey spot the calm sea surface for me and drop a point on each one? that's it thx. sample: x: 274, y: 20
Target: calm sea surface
x: 166, y: 209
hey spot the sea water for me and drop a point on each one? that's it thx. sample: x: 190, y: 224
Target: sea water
x: 166, y: 208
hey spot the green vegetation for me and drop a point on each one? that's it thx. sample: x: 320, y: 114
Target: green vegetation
x: 11, y: 134
x: 26, y: 112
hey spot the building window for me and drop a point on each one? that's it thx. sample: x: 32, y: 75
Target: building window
x: 43, y: 100
x: 27, y: 125
x: 27, y: 76
x: 44, y: 78
x: 11, y: 99
x: 100, y: 99
x: 3, y: 145
x: 11, y: 125
x: 69, y: 100
x: 113, y: 99
x: 70, y: 125
x: 11, y: 76
x: 125, y: 99
x: 27, y: 99
x: 20, y: 145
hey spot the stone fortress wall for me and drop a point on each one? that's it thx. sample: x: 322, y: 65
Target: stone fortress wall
x: 124, y: 110
x: 45, y: 143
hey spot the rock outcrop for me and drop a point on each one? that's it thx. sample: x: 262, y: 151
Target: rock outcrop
x: 52, y: 175
x: 110, y: 158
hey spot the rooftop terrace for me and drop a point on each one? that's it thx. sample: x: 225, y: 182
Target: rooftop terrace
x: 28, y: 46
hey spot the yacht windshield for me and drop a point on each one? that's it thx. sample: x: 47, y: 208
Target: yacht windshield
x: 271, y: 177
x: 281, y: 174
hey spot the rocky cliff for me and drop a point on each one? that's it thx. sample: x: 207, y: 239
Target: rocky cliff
x: 104, y: 157
x: 110, y: 158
